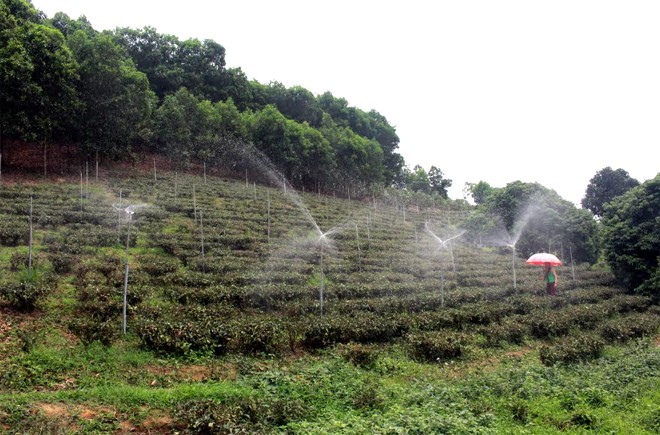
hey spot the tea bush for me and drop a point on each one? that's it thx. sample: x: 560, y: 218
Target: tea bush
x: 437, y: 346
x: 572, y: 349
x: 13, y: 232
x: 623, y: 329
x: 257, y: 335
x: 31, y: 288
x: 182, y: 330
x: 513, y: 329
x: 359, y: 354
x: 237, y: 415
x: 549, y: 324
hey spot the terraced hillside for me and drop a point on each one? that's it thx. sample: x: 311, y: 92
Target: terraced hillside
x: 233, y: 291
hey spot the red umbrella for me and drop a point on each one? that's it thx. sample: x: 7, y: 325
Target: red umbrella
x: 542, y: 258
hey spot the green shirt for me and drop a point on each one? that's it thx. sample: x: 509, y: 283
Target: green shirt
x: 549, y: 277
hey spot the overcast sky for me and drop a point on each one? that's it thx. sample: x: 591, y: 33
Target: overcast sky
x: 497, y: 91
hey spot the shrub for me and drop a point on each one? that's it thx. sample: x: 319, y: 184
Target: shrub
x: 92, y: 329
x: 62, y: 262
x: 184, y: 329
x: 572, y: 349
x: 30, y: 289
x: 359, y: 354
x: 626, y: 328
x: 235, y: 415
x: 513, y: 329
x: 262, y: 335
x: 13, y: 233
x: 18, y: 261
x: 548, y: 324
x: 437, y: 346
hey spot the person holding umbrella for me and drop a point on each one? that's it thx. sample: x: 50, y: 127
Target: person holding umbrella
x: 548, y: 261
x: 550, y: 279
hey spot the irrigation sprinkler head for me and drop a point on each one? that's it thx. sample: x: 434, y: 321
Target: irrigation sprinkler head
x: 443, y: 243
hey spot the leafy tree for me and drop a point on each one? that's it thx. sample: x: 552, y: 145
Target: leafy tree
x: 116, y: 100
x: 295, y: 103
x: 537, y: 219
x: 606, y: 185
x: 359, y: 160
x: 371, y: 125
x: 68, y: 26
x: 479, y: 191
x: 175, y: 123
x: 437, y: 183
x: 37, y: 75
x: 170, y: 63
x: 239, y: 89
x: 631, y: 237
x: 232, y: 122
x: 417, y: 180
x: 337, y: 108
x: 155, y: 55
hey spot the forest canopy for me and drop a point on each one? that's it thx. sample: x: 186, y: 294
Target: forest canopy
x: 121, y: 93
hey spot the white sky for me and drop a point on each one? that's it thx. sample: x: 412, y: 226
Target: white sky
x: 497, y: 91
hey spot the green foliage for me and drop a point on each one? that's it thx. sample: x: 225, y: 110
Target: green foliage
x: 537, y: 218
x: 359, y: 354
x: 116, y: 102
x: 37, y: 75
x: 572, y: 349
x: 631, y: 237
x: 236, y: 414
x: 14, y: 232
x: 623, y: 329
x: 31, y: 287
x: 437, y: 346
x: 606, y: 185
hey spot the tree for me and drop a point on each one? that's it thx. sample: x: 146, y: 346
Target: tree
x: 437, y: 183
x: 479, y: 191
x: 116, y: 99
x: 171, y: 64
x: 537, y: 219
x: 174, y: 122
x: 359, y: 160
x: 37, y: 75
x: 68, y: 26
x: 606, y: 185
x: 631, y: 237
x: 417, y: 180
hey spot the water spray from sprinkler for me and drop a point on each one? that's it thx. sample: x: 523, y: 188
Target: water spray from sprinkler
x: 444, y: 244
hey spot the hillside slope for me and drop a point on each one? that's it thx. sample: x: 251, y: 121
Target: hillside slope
x: 241, y: 298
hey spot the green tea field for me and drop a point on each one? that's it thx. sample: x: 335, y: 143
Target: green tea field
x: 170, y: 303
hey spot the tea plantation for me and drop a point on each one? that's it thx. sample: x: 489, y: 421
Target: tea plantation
x: 252, y: 309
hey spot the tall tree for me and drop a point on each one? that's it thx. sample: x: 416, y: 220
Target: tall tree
x: 631, y: 237
x: 37, y: 75
x: 606, y: 185
x: 170, y: 63
x: 417, y: 180
x: 116, y: 100
x: 536, y: 218
x: 479, y: 191
x: 437, y: 183
x: 296, y: 103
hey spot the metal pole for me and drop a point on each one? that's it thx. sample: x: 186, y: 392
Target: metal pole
x: 442, y: 282
x: 128, y: 237
x: 513, y: 264
x: 201, y: 225
x: 30, y: 246
x: 570, y: 250
x: 321, y: 282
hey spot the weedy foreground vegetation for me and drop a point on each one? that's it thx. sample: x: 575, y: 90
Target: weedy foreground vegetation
x: 242, y: 317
